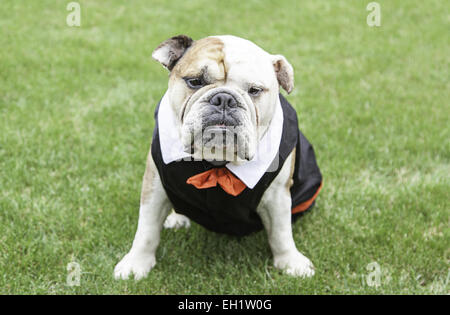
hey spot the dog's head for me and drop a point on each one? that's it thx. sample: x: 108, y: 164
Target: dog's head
x: 224, y: 90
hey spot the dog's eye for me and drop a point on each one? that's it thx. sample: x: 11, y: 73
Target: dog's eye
x: 194, y: 83
x: 254, y: 91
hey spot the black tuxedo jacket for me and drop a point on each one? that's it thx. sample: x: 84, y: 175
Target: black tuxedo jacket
x: 218, y: 211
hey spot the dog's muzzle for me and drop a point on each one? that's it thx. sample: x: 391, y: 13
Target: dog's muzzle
x: 221, y: 112
x: 219, y: 126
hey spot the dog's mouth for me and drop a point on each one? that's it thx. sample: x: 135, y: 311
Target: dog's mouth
x: 220, y: 141
x: 218, y: 127
x: 216, y: 136
x: 220, y: 135
x: 227, y: 118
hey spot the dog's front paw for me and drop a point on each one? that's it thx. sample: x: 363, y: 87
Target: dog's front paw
x: 295, y: 264
x: 175, y: 221
x: 137, y: 264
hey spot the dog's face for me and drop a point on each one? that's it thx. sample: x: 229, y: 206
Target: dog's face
x: 224, y: 90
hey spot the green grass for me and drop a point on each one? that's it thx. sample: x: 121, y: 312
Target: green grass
x: 76, y: 118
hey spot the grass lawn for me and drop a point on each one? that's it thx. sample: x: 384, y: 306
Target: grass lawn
x: 76, y: 119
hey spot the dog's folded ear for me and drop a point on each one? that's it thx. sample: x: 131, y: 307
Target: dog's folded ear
x: 171, y: 50
x: 284, y: 72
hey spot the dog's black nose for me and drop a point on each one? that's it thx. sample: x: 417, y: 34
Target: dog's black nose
x: 223, y: 99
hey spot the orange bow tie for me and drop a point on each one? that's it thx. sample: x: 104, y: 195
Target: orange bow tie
x: 222, y: 176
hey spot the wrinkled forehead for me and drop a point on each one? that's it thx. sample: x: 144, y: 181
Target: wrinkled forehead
x: 227, y: 58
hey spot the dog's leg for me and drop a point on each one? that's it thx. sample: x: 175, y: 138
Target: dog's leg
x: 175, y: 221
x: 275, y: 213
x: 155, y: 207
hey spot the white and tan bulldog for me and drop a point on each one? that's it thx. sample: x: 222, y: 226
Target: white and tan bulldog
x: 230, y: 85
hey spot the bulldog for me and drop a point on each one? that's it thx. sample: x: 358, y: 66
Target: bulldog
x: 226, y: 152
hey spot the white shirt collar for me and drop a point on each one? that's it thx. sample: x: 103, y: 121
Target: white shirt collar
x: 250, y: 172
